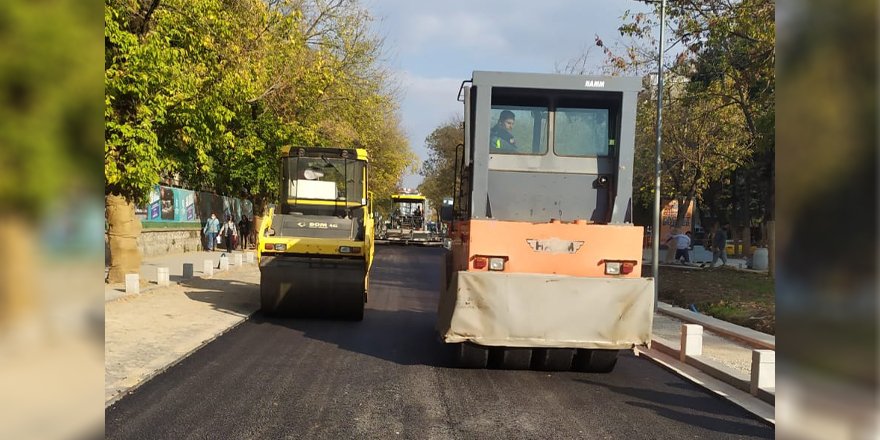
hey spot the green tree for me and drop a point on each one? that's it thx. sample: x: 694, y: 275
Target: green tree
x: 438, y: 170
x: 726, y: 52
x: 204, y: 93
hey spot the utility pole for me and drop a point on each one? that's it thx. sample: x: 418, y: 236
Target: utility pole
x: 655, y: 256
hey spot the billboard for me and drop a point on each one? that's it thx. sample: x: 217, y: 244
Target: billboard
x: 168, y: 204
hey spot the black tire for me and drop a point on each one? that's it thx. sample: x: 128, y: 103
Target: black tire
x: 595, y: 361
x: 472, y: 356
x: 553, y: 359
x: 507, y: 358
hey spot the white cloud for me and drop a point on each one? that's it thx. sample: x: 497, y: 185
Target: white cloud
x: 427, y: 103
x: 436, y: 45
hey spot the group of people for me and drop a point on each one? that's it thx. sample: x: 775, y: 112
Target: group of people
x: 683, y: 245
x: 229, y: 233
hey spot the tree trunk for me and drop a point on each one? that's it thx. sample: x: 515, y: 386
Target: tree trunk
x: 17, y: 275
x: 747, y: 242
x: 771, y: 248
x: 123, y: 231
x: 734, y: 237
x: 255, y: 229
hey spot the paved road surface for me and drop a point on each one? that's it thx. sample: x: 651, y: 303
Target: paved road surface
x: 389, y: 377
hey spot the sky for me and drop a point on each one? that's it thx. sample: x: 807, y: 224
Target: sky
x: 432, y: 46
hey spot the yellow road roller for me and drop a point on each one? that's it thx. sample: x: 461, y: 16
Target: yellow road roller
x: 316, y: 245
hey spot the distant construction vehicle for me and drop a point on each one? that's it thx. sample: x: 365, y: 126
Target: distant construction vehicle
x: 407, y: 224
x: 316, y: 246
x: 545, y: 264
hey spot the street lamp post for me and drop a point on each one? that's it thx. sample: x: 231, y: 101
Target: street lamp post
x: 655, y: 251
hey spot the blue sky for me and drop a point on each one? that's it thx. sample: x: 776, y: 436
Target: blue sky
x: 433, y: 46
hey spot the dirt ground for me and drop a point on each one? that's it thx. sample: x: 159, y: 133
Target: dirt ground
x: 741, y: 297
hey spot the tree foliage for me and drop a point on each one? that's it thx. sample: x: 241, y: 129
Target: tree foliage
x: 719, y: 109
x: 204, y: 93
x: 439, y: 169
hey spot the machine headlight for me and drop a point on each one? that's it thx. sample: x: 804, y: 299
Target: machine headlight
x: 280, y: 247
x: 612, y: 268
x: 624, y: 267
x: 349, y: 249
x: 496, y: 263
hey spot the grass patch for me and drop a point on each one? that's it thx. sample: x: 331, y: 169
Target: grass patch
x: 743, y: 298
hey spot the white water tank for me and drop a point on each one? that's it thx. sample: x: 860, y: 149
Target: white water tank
x: 760, y: 260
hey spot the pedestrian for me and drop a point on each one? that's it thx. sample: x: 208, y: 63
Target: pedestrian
x: 719, y: 245
x: 229, y: 233
x: 212, y: 227
x: 682, y: 245
x: 244, y: 229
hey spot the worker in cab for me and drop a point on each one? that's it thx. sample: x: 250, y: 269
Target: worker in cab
x: 500, y: 137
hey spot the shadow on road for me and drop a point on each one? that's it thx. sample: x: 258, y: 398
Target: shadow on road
x: 228, y: 296
x: 403, y: 337
x: 697, y: 407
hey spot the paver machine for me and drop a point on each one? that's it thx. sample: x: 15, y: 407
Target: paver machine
x: 544, y: 268
x: 316, y: 246
x: 408, y: 223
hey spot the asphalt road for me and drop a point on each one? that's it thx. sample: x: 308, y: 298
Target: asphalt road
x: 389, y: 377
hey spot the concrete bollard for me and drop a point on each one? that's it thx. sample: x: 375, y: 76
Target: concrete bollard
x: 132, y: 283
x: 763, y: 370
x: 188, y: 271
x: 691, y: 341
x: 224, y: 262
x: 162, y: 276
x: 208, y: 268
x: 236, y: 259
x: 249, y: 257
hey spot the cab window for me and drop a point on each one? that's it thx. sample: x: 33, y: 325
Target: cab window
x: 581, y: 132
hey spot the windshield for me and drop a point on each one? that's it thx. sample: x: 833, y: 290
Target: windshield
x: 581, y: 132
x: 518, y: 130
x: 407, y: 208
x: 324, y: 178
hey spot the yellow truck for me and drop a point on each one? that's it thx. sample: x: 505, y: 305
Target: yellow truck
x: 316, y: 245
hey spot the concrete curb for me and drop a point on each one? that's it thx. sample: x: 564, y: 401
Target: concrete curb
x: 714, y: 369
x: 753, y: 405
x: 122, y: 393
x: 746, y: 335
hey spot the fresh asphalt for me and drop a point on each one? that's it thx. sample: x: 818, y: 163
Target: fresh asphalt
x: 389, y: 376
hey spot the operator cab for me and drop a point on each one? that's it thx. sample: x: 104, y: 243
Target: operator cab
x: 558, y: 158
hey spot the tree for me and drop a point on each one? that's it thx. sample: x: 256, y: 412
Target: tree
x: 726, y: 53
x: 440, y: 167
x: 204, y: 93
x: 701, y: 143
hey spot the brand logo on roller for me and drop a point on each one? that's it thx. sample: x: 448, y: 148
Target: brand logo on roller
x: 554, y: 245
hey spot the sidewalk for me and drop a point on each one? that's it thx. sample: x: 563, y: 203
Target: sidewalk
x: 149, y: 332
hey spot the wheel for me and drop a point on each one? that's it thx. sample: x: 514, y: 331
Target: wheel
x: 553, y: 359
x: 595, y: 361
x: 472, y: 356
x: 507, y: 358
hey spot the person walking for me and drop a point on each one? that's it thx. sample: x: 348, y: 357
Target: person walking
x: 212, y: 227
x: 244, y: 230
x: 229, y: 233
x: 719, y: 245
